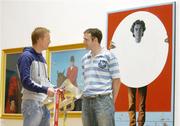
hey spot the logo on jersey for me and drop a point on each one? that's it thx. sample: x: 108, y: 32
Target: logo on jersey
x: 102, y: 64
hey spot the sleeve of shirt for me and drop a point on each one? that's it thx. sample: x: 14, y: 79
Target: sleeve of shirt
x: 114, y: 66
x: 82, y: 66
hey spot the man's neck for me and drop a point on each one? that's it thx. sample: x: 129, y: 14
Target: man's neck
x: 96, y: 50
x: 38, y: 50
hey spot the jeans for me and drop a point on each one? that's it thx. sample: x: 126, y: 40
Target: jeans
x: 98, y: 111
x: 142, y: 91
x: 34, y: 114
x: 78, y: 105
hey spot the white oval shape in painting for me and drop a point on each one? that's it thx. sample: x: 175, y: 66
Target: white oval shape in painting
x: 140, y: 63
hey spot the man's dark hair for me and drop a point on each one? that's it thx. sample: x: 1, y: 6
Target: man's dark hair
x: 95, y: 33
x: 140, y: 22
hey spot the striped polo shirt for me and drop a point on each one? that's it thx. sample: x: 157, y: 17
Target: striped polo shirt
x: 98, y: 72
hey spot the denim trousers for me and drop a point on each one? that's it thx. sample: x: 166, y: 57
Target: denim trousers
x: 34, y: 114
x: 98, y: 111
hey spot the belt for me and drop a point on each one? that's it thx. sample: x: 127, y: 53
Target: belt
x: 96, y: 96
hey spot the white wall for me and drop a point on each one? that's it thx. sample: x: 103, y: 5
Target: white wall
x: 67, y: 19
x: 0, y: 43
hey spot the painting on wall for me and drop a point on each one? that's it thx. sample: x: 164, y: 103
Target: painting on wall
x: 143, y: 41
x: 11, y: 87
x: 64, y: 62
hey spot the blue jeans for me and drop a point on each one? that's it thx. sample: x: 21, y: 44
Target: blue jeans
x: 34, y: 114
x: 98, y: 111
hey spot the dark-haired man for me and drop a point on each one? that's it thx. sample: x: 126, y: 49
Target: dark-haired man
x: 102, y: 81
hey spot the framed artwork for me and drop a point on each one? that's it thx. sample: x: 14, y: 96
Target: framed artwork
x: 64, y: 62
x: 143, y: 40
x: 11, y: 87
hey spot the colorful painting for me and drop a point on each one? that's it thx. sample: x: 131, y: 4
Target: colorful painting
x: 143, y: 41
x: 11, y: 88
x: 65, y: 63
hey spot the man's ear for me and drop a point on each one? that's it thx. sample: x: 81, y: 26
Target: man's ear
x: 95, y: 39
x: 39, y: 39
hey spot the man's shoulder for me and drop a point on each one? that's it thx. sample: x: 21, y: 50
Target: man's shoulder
x: 26, y: 54
x: 86, y: 55
x: 108, y: 54
x: 106, y: 51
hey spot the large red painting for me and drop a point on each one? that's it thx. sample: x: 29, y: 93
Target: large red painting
x: 159, y: 90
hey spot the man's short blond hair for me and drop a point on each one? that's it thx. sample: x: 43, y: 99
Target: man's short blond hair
x: 38, y: 33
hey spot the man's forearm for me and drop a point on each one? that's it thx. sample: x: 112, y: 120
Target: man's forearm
x: 116, y: 85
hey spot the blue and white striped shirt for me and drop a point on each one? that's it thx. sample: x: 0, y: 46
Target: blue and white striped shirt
x: 98, y: 72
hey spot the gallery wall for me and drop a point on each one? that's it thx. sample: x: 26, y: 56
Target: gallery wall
x: 66, y: 19
x: 0, y: 41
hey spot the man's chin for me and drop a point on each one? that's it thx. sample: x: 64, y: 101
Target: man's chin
x: 138, y: 41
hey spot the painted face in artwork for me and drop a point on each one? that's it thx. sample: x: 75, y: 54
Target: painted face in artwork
x: 138, y: 33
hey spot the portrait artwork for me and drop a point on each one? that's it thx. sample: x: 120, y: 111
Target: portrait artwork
x: 143, y: 41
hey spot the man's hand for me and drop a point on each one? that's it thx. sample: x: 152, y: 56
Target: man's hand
x: 50, y: 92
